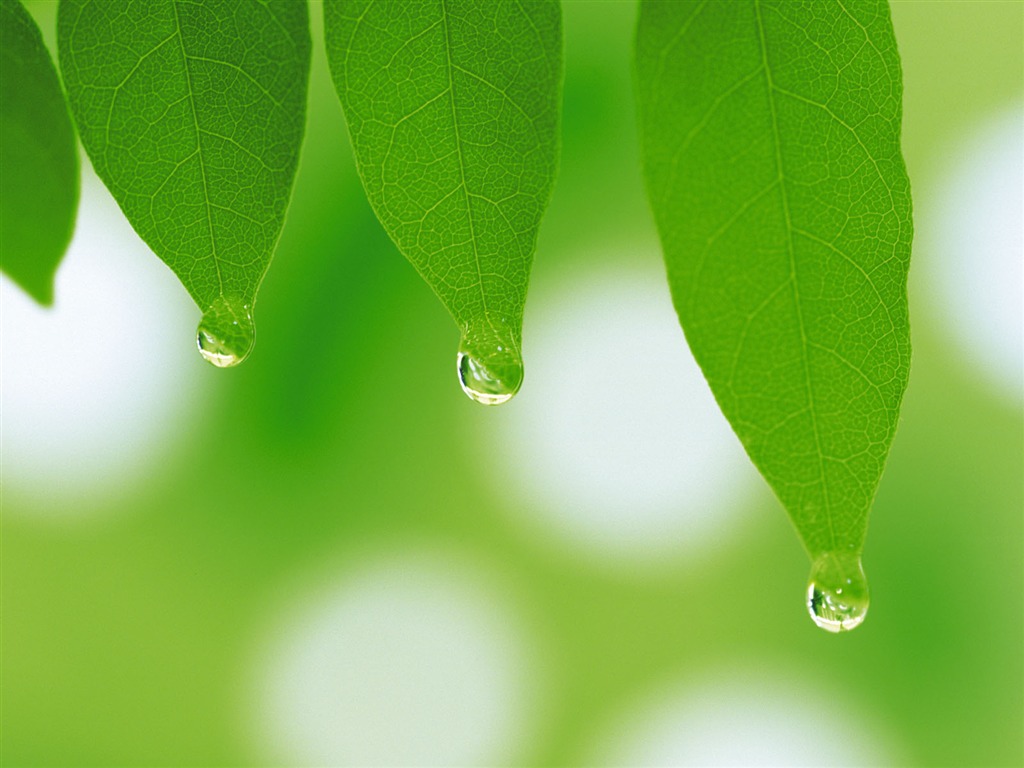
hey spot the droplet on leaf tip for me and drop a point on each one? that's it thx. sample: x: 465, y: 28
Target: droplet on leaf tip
x: 489, y: 365
x: 226, y: 333
x: 837, y: 592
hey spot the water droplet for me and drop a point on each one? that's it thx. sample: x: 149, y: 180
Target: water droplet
x: 837, y: 594
x: 489, y: 364
x: 226, y: 332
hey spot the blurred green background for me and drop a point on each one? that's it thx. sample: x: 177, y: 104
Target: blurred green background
x: 330, y: 556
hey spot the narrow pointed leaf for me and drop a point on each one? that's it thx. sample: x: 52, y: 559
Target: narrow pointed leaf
x: 770, y: 134
x: 453, y: 110
x: 38, y: 157
x: 193, y: 114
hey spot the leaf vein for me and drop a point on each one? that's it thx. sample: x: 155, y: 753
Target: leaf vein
x: 199, y: 148
x: 462, y: 159
x: 792, y: 265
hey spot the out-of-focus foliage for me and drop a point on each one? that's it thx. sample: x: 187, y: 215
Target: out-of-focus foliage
x: 39, y: 183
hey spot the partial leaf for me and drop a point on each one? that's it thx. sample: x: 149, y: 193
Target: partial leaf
x: 193, y: 115
x: 453, y: 111
x: 38, y: 157
x: 770, y: 134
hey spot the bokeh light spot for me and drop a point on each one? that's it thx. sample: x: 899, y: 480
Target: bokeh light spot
x: 616, y: 443
x: 403, y: 660
x: 976, y: 232
x: 746, y: 719
x: 95, y: 387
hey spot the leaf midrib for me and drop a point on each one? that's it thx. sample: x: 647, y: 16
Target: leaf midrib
x: 792, y: 268
x: 199, y: 149
x: 462, y: 159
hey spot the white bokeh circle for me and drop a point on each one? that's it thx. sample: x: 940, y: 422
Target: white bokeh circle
x: 400, y: 660
x: 615, y: 442
x: 96, y: 387
x: 975, y: 229
x: 745, y: 718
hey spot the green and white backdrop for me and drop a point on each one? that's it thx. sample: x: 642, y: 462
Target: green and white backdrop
x: 328, y: 555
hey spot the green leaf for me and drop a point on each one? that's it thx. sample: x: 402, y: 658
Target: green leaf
x: 193, y: 115
x: 453, y: 110
x: 771, y: 148
x: 38, y: 155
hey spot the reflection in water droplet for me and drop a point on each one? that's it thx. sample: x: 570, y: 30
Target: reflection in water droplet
x: 837, y: 595
x: 226, y: 332
x: 489, y: 364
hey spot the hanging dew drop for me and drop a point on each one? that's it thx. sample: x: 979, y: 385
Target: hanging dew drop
x: 485, y: 384
x: 226, y: 333
x: 489, y: 365
x: 837, y: 592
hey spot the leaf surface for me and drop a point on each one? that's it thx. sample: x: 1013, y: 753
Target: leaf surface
x: 453, y: 111
x: 770, y: 133
x: 38, y: 155
x: 193, y: 115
